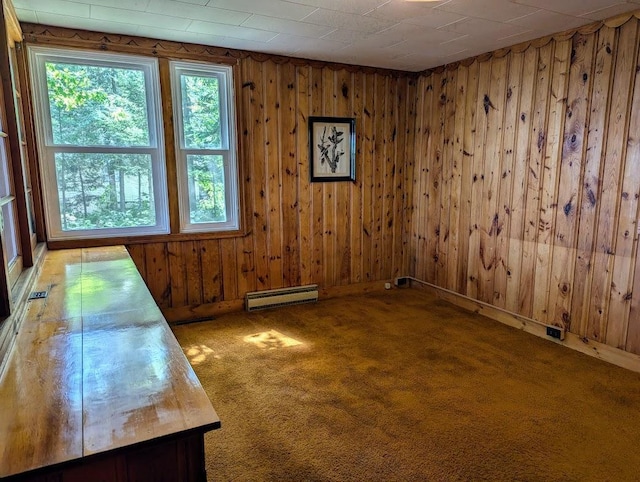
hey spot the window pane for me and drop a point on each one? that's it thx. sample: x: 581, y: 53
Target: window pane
x: 206, y: 189
x: 10, y: 233
x: 104, y: 190
x: 31, y: 212
x: 201, y: 112
x: 5, y: 179
x: 97, y: 106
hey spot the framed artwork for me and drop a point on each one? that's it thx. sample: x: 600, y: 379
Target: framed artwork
x: 332, y: 148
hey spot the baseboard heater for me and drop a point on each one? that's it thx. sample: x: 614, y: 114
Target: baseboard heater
x: 262, y: 300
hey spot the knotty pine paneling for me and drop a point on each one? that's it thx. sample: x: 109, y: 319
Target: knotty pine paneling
x: 332, y: 234
x: 300, y: 232
x: 512, y: 178
x: 527, y: 180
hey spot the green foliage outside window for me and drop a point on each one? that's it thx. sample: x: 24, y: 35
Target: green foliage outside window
x: 203, y: 130
x: 97, y: 106
x: 105, y: 106
x: 206, y: 189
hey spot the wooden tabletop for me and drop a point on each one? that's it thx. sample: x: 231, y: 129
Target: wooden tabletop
x: 95, y: 367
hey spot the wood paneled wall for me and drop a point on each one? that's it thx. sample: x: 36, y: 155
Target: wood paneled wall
x: 331, y: 234
x: 527, y: 180
x: 512, y: 178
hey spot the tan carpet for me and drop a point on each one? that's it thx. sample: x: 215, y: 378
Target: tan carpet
x: 399, y: 386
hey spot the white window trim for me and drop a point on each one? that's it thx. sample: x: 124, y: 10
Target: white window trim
x: 228, y: 152
x: 47, y: 149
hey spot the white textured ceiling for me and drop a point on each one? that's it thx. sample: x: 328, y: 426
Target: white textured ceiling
x: 395, y: 34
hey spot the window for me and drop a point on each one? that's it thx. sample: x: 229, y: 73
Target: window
x: 8, y: 210
x: 205, y: 146
x: 101, y: 143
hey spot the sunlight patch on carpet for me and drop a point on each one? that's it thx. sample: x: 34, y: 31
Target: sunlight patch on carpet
x: 197, y: 354
x: 271, y: 340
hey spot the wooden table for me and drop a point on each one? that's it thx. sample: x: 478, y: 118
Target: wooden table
x: 97, y: 387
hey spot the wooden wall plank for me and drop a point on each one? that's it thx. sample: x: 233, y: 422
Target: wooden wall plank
x: 318, y: 259
x: 399, y: 159
x: 633, y: 333
x: 493, y: 100
x: 178, y: 275
x: 317, y: 189
x: 448, y: 132
x: 211, y: 270
x: 368, y: 159
x: 388, y: 215
x: 387, y: 172
x: 597, y: 134
x: 355, y: 205
x: 625, y: 237
x: 328, y: 189
x: 421, y: 197
x: 305, y: 206
x: 136, y: 251
x: 229, y: 274
x: 624, y: 70
x: 409, y: 184
x: 633, y: 156
x: 379, y: 153
x: 343, y: 94
x: 246, y: 266
x: 289, y: 175
x: 245, y: 252
x: 520, y: 181
x: 571, y: 171
x: 274, y: 172
x: 173, y: 197
x: 193, y: 267
x: 257, y: 158
x: 550, y: 176
x: 435, y: 153
x: 508, y: 150
x: 468, y: 148
x: 457, y: 160
x: 477, y: 187
x: 156, y: 261
x: 534, y: 178
x: 396, y: 211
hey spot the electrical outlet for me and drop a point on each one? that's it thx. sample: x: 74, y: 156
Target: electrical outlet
x: 554, y: 332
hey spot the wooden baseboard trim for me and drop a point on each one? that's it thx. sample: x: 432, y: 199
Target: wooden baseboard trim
x: 190, y: 314
x: 607, y: 353
x: 353, y: 289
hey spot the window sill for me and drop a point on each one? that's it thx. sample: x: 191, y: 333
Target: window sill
x: 10, y: 325
x: 156, y: 238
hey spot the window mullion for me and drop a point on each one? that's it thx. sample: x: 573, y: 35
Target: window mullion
x: 102, y: 149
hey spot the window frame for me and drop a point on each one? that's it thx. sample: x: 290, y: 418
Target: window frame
x: 38, y: 56
x: 228, y: 150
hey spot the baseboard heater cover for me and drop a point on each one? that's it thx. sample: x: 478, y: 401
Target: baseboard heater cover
x: 262, y: 300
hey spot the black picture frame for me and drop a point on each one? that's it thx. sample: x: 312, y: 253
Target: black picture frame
x: 332, y: 149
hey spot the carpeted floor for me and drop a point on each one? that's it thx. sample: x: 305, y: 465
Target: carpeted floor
x: 399, y: 386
